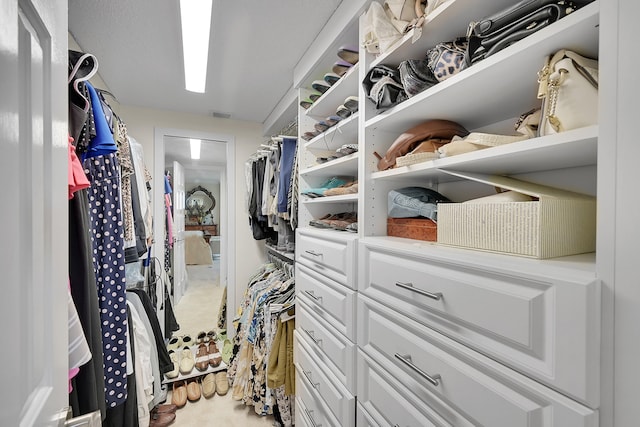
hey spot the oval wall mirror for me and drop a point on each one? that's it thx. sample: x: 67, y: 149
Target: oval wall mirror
x: 200, y: 201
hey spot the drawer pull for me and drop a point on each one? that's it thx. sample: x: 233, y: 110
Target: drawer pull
x: 314, y: 339
x: 309, y: 414
x: 308, y: 375
x: 433, y: 379
x: 312, y: 295
x: 436, y: 296
x: 312, y: 253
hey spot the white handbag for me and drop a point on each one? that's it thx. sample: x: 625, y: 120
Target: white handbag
x: 568, y: 87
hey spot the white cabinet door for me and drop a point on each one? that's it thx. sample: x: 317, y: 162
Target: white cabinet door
x: 34, y: 214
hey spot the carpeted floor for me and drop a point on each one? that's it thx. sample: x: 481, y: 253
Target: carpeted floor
x: 198, y: 311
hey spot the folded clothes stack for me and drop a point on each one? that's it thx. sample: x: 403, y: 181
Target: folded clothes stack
x: 343, y: 221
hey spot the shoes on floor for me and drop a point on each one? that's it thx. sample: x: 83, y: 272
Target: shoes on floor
x: 222, y: 383
x: 202, y: 357
x: 179, y: 394
x: 193, y: 390
x: 227, y: 351
x: 186, y: 361
x: 176, y: 365
x: 174, y: 343
x: 187, y: 340
x: 214, y: 354
x: 164, y: 409
x: 209, y: 385
x: 201, y: 337
x: 161, y: 419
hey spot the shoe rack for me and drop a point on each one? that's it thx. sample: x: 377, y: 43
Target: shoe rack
x: 438, y: 329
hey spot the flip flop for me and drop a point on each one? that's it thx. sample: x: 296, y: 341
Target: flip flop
x: 349, y: 54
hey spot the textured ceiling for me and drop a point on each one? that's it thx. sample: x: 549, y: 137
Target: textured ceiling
x: 255, y: 44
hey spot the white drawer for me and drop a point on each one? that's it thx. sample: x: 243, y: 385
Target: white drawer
x: 327, y: 345
x: 488, y: 393
x: 543, y: 325
x: 384, y: 400
x: 316, y: 377
x: 310, y: 411
x: 331, y: 254
x: 330, y: 301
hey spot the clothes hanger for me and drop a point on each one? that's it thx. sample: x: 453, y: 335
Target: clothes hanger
x: 85, y: 59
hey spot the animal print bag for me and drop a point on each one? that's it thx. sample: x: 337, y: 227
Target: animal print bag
x: 447, y: 59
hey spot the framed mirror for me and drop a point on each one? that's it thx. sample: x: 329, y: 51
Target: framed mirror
x: 199, y: 203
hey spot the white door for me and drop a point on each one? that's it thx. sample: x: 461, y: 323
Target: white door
x: 179, y: 266
x: 33, y: 172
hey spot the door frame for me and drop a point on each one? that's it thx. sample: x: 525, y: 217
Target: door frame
x: 227, y: 211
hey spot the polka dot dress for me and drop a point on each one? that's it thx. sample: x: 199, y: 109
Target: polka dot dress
x: 108, y: 260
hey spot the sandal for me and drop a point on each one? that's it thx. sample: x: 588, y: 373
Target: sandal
x: 202, y: 357
x: 214, y: 354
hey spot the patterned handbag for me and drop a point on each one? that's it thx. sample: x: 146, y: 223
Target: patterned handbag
x: 448, y: 58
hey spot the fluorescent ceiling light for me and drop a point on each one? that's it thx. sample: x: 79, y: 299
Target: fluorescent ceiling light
x: 195, y: 16
x: 195, y: 148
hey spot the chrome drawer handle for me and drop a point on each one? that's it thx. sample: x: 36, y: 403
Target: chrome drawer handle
x: 313, y: 422
x: 433, y: 379
x: 308, y: 375
x: 314, y: 339
x: 312, y: 253
x: 312, y: 295
x: 436, y: 296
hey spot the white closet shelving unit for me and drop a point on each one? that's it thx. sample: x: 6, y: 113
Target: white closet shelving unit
x: 443, y: 335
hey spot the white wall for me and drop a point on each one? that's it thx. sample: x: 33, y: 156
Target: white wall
x: 141, y: 123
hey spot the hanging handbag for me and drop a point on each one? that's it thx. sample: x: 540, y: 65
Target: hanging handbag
x: 496, y: 32
x: 383, y: 86
x: 569, y: 92
x: 447, y: 59
x: 405, y: 14
x: 416, y: 76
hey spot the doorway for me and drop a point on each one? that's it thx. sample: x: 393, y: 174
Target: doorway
x: 209, y: 181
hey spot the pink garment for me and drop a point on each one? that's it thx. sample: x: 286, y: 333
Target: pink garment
x: 167, y: 202
x: 72, y: 373
x: 77, y: 178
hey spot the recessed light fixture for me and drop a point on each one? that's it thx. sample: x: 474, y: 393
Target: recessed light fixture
x: 195, y: 148
x: 195, y: 16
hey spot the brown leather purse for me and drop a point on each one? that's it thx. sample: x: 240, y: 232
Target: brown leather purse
x: 434, y: 131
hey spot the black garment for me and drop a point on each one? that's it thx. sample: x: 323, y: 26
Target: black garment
x: 258, y: 222
x: 88, y: 386
x: 126, y: 414
x: 170, y: 322
x: 166, y: 365
x: 134, y: 253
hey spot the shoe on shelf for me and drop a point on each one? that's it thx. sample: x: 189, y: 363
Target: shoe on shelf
x: 214, y: 354
x: 209, y: 385
x: 222, y: 383
x: 315, y: 96
x: 161, y: 419
x: 306, y: 103
x: 179, y: 394
x: 333, y: 182
x: 174, y: 343
x: 202, y: 357
x: 351, y: 102
x: 176, y: 365
x: 186, y: 361
x: 349, y: 188
x: 320, y: 85
x: 341, y: 67
x: 349, y: 54
x: 332, y: 120
x: 343, y: 111
x: 193, y: 390
x: 331, y: 78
